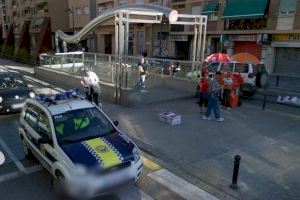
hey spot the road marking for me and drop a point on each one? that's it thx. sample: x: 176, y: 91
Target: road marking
x: 9, y: 176
x: 150, y: 164
x: 12, y: 156
x: 180, y: 186
x: 16, y: 174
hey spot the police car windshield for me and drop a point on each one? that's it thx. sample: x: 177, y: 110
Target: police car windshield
x: 79, y: 125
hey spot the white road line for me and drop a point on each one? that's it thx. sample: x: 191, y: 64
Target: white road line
x: 12, y: 156
x: 180, y: 186
x: 9, y: 176
x: 16, y: 174
x: 132, y: 192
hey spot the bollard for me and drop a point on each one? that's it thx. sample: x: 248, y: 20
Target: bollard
x: 235, y: 174
x: 264, y: 103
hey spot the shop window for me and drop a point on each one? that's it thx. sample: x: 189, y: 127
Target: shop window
x: 287, y: 7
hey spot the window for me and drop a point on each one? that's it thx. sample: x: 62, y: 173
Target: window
x: 227, y: 67
x: 78, y: 11
x: 82, y: 124
x: 31, y: 116
x: 43, y: 126
x: 241, y: 68
x: 86, y: 10
x: 287, y: 7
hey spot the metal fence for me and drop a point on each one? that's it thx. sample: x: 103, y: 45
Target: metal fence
x: 104, y: 66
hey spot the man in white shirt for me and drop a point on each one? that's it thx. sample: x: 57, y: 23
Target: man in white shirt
x: 90, y: 81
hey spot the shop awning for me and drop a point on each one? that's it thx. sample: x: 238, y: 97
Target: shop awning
x: 245, y: 9
x: 210, y: 8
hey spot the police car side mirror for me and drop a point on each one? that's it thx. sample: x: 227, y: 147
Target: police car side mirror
x: 116, y: 123
x: 45, y: 140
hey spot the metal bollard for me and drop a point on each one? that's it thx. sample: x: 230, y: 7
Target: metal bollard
x: 264, y: 103
x: 235, y: 174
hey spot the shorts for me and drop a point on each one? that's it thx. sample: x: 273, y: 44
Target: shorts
x: 203, y: 99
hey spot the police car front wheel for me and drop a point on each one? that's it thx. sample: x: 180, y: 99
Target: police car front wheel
x: 27, y: 151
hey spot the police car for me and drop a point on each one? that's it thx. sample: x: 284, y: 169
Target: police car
x: 78, y: 144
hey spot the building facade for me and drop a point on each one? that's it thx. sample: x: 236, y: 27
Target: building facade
x: 17, y: 12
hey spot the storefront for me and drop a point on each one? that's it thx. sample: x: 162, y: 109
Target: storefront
x: 244, y: 44
x: 286, y: 53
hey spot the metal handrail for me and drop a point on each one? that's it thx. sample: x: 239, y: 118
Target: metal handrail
x: 108, y: 15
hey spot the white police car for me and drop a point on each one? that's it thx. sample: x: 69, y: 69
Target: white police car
x: 77, y: 143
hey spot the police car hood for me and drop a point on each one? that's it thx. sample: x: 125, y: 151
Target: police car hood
x: 106, y: 151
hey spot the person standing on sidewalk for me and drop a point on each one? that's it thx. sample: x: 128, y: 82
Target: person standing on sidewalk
x: 213, y: 102
x: 203, y: 91
x: 91, y: 82
x: 142, y: 73
x: 227, y: 90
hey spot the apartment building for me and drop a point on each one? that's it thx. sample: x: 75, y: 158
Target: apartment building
x: 17, y: 13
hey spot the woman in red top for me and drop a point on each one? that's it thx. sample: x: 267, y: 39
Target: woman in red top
x: 203, y: 91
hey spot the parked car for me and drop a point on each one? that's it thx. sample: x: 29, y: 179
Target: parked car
x: 13, y: 92
x: 254, y: 76
x: 78, y: 144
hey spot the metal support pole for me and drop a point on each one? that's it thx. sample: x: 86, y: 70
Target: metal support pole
x: 203, y: 23
x: 61, y: 62
x: 65, y: 46
x: 235, y: 174
x: 56, y: 43
x: 116, y: 55
x: 194, y: 46
x: 74, y: 66
x: 50, y: 62
x: 95, y: 60
x: 199, y: 43
x: 264, y: 103
x: 277, y: 81
x: 121, y: 53
x: 126, y: 49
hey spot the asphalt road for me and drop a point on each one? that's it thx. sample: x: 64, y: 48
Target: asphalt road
x: 23, y: 179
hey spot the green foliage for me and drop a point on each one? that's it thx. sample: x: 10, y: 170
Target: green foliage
x: 24, y: 55
x: 7, y: 51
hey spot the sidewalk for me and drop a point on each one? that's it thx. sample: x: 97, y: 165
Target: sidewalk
x: 268, y: 141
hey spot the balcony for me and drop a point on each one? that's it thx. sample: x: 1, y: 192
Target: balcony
x: 245, y: 24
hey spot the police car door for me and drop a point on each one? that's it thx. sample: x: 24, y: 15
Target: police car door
x: 45, y: 142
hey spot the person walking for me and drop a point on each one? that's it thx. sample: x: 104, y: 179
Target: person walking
x: 203, y: 91
x: 227, y: 90
x: 214, y: 92
x: 142, y: 67
x: 90, y: 81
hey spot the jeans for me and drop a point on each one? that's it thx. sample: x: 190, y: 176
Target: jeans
x: 213, y: 105
x: 142, y: 81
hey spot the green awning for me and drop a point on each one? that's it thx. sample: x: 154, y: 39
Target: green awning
x: 245, y: 9
x: 210, y: 8
x: 288, y: 6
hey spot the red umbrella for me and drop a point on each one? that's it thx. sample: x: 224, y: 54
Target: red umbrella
x: 218, y: 57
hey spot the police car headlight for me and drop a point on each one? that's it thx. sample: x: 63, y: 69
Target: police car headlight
x: 32, y: 95
x: 136, y: 154
x: 1, y: 99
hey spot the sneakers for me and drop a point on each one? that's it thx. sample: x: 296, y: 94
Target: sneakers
x: 220, y: 119
x: 206, y: 118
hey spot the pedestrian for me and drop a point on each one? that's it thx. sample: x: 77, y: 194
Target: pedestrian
x: 213, y: 102
x: 228, y: 82
x: 220, y: 79
x: 143, y: 68
x: 203, y: 91
x: 90, y: 82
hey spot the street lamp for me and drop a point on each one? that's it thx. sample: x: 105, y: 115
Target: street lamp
x: 73, y: 20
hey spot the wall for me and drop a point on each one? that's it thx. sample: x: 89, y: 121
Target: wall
x: 59, y: 18
x: 80, y: 20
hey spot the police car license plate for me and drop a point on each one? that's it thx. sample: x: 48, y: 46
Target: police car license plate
x: 19, y: 105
